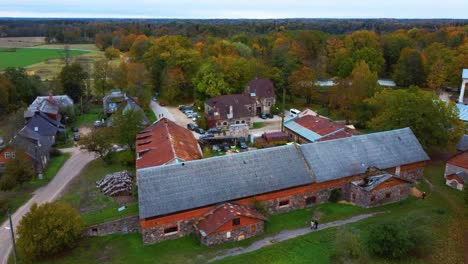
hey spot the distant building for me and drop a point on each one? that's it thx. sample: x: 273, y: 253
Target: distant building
x: 165, y: 142
x: 456, y: 171
x: 112, y: 101
x: 50, y: 105
x: 233, y: 109
x: 330, y: 83
x: 310, y: 127
x: 118, y: 103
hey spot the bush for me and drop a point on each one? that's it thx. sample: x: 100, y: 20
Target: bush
x: 47, y: 230
x: 3, y: 206
x: 17, y: 171
x: 396, y: 239
x: 347, y: 247
x: 124, y: 157
x: 335, y: 195
x: 55, y: 152
x: 8, y: 182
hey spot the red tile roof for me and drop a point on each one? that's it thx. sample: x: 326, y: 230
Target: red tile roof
x: 163, y: 142
x: 225, y: 213
x: 323, y: 126
x: 460, y: 160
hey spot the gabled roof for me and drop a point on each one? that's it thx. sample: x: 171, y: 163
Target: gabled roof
x: 177, y: 187
x: 262, y: 88
x: 345, y: 157
x: 240, y: 106
x: 460, y: 160
x: 35, y: 145
x: 459, y: 176
x: 462, y: 144
x: 373, y: 182
x: 317, y: 128
x: 171, y: 188
x: 59, y: 100
x: 44, y: 125
x: 165, y: 142
x: 224, y: 213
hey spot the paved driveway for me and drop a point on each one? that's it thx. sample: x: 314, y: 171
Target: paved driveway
x: 48, y: 193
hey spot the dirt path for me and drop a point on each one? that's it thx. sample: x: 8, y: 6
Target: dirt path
x: 287, y: 234
x: 48, y: 193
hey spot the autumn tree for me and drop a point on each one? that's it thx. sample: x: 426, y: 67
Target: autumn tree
x: 393, y: 44
x: 111, y: 53
x: 73, y: 80
x: 26, y: 88
x: 138, y: 83
x: 209, y: 82
x: 410, y: 69
x: 302, y: 83
x: 434, y: 123
x: 139, y: 47
x: 362, y: 39
x: 48, y: 229
x: 120, y: 76
x: 18, y: 170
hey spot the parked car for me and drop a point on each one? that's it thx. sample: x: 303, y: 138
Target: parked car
x: 270, y: 115
x: 199, y: 130
x: 191, y: 126
x: 162, y: 103
x: 75, y: 129
x: 243, y: 145
x: 206, y: 136
x: 188, y: 111
x: 214, y: 130
x: 184, y: 107
x: 76, y: 136
x: 225, y: 146
x: 263, y: 116
x: 192, y: 115
x: 98, y: 123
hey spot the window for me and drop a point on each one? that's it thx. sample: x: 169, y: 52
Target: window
x: 218, y: 124
x: 171, y: 230
x: 284, y: 203
x: 253, y: 228
x: 237, y: 122
x: 224, y: 123
x: 228, y: 234
x: 13, y: 155
x: 7, y: 155
x: 250, y: 108
x: 236, y: 221
x: 269, y: 103
x: 243, y: 121
x: 311, y: 200
x: 372, y: 198
x: 387, y: 195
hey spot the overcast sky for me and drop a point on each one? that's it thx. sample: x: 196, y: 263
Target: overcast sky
x: 235, y: 9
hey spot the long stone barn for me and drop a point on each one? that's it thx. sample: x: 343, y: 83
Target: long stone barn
x: 218, y: 198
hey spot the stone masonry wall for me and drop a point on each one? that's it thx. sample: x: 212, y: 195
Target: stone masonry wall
x: 413, y: 174
x: 375, y: 198
x: 156, y: 234
x: 126, y: 225
x: 236, y: 234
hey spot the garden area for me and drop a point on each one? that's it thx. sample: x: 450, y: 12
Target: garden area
x: 443, y: 206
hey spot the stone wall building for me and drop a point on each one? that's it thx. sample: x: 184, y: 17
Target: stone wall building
x: 125, y: 225
x: 174, y: 198
x: 456, y: 171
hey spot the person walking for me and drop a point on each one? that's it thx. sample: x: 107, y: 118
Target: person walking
x: 423, y: 195
x: 312, y: 224
x: 316, y: 224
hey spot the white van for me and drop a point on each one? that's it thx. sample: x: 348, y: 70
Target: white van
x: 294, y: 112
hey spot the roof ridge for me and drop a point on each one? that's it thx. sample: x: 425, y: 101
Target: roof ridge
x: 171, y: 140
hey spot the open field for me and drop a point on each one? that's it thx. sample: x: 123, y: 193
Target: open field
x: 443, y: 205
x: 90, y: 47
x: 20, y: 42
x: 27, y: 56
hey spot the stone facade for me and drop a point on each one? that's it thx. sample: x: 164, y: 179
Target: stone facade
x: 413, y: 174
x: 264, y: 105
x: 157, y: 233
x: 377, y: 197
x: 236, y: 234
x: 126, y: 225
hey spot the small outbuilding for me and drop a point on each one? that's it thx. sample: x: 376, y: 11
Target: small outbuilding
x: 456, y: 171
x: 229, y: 222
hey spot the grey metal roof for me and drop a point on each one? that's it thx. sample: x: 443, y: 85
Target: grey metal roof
x: 301, y: 131
x: 462, y: 145
x: 171, y: 188
x: 344, y: 157
x: 375, y: 181
x: 463, y: 112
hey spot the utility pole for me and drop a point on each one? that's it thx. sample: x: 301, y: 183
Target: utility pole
x: 282, y: 110
x: 12, y: 236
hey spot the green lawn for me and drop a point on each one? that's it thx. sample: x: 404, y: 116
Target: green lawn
x: 312, y: 248
x: 25, y: 57
x: 87, y: 119
x: 94, y: 206
x: 151, y: 116
x: 55, y: 163
x: 257, y: 125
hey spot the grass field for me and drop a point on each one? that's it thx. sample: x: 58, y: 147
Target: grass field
x: 443, y: 205
x: 90, y: 47
x: 28, y: 56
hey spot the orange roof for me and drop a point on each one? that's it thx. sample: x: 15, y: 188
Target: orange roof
x: 224, y: 213
x: 323, y: 126
x: 460, y: 160
x: 164, y: 142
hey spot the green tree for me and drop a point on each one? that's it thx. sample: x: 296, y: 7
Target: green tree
x: 98, y: 141
x: 373, y: 58
x: 347, y: 247
x: 26, y: 87
x: 393, y: 44
x: 435, y: 124
x: 410, y: 69
x: 6, y: 87
x: 362, y: 39
x: 126, y: 126
x: 111, y: 53
x: 73, y: 80
x: 48, y: 229
x: 101, y: 76
x: 17, y: 171
x: 209, y: 82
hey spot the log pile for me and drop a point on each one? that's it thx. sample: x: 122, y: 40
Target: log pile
x: 116, y: 184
